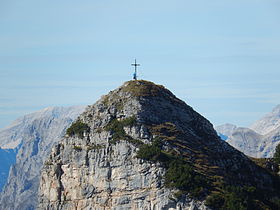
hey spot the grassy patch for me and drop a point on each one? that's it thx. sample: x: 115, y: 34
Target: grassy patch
x: 167, y: 131
x: 77, y: 148
x: 94, y: 147
x: 77, y: 128
x: 143, y: 88
x: 240, y: 197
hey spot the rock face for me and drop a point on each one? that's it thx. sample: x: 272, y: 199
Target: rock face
x: 247, y: 141
x: 260, y: 140
x: 32, y: 136
x: 98, y: 165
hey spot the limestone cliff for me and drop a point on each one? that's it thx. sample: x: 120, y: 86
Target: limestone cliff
x: 140, y: 147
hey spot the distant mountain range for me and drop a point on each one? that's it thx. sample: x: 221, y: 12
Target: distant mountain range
x: 259, y: 140
x: 25, y: 144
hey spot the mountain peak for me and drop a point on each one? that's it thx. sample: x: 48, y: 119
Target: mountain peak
x: 276, y: 109
x: 145, y: 88
x: 137, y: 148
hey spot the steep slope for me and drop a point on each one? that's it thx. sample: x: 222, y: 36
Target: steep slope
x: 268, y: 123
x: 270, y: 141
x: 140, y: 147
x: 34, y: 135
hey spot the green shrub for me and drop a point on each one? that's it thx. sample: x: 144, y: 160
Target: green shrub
x: 181, y: 175
x: 178, y: 175
x: 117, y: 128
x: 234, y: 197
x: 215, y: 200
x: 276, y: 156
x: 275, y: 202
x: 77, y: 128
x: 233, y: 202
x: 149, y: 152
x: 135, y: 142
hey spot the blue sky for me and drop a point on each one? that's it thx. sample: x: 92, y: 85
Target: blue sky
x: 221, y: 57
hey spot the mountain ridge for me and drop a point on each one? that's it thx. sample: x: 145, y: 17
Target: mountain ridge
x: 33, y: 135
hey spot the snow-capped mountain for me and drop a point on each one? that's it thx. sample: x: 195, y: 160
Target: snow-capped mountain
x: 268, y: 123
x: 33, y: 136
x: 260, y: 140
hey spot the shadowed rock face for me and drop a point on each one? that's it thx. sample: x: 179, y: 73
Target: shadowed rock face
x: 33, y: 135
x: 100, y: 169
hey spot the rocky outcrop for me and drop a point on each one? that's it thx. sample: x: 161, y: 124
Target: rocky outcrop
x: 98, y: 164
x: 33, y: 136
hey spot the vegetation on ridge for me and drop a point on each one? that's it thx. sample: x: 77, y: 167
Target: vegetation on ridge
x: 191, y: 174
x: 145, y: 88
x: 179, y: 173
x: 77, y: 128
x: 116, y: 127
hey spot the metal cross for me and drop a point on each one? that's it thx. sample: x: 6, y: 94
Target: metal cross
x: 135, y: 66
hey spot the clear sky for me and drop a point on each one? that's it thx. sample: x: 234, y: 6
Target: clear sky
x: 221, y: 57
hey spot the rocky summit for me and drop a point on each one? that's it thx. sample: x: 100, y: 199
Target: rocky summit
x: 140, y: 147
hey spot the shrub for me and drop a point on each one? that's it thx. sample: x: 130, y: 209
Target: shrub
x: 117, y: 128
x: 77, y: 128
x: 215, y: 200
x: 234, y: 197
x: 276, y: 156
x: 181, y: 175
x: 149, y: 152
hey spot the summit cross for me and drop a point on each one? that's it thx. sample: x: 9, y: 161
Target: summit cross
x: 135, y: 64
